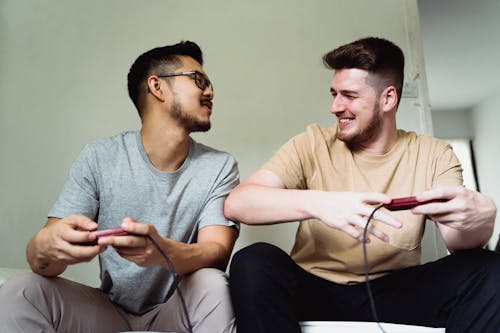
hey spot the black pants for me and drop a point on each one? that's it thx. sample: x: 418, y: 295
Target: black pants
x: 271, y: 293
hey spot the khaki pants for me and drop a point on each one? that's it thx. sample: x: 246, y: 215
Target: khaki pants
x: 32, y: 303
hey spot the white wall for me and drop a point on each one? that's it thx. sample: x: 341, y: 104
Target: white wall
x: 452, y: 124
x: 486, y: 121
x: 63, y: 83
x: 479, y: 124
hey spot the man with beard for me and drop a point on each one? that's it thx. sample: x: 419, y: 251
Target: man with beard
x: 164, y: 189
x: 331, y: 180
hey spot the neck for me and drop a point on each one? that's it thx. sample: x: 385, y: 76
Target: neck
x: 382, y: 141
x: 381, y: 144
x: 166, y: 145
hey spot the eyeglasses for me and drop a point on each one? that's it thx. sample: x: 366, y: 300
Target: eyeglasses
x: 199, y: 78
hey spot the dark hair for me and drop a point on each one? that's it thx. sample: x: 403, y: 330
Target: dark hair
x: 378, y: 56
x: 156, y: 61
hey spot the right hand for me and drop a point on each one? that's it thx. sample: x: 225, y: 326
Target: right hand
x: 349, y: 211
x: 56, y: 245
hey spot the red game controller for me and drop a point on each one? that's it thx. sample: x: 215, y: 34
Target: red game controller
x: 408, y: 203
x: 118, y: 231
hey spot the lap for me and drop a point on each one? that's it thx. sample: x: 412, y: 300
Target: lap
x: 420, y: 295
x: 59, y: 303
x: 205, y: 296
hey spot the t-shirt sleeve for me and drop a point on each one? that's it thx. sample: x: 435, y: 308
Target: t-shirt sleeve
x: 288, y: 162
x: 79, y: 194
x: 212, y: 212
x: 448, y: 169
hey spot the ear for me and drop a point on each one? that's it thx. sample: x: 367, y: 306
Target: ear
x: 389, y: 99
x: 156, y: 87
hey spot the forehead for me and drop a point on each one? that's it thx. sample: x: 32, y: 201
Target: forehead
x: 350, y: 79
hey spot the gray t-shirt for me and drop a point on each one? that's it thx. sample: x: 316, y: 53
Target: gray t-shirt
x: 113, y: 178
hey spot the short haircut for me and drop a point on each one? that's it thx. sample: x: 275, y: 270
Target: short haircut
x: 380, y: 57
x: 157, y: 61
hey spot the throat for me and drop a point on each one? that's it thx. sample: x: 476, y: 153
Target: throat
x: 167, y: 154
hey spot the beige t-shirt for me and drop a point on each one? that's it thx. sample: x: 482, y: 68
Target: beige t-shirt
x: 316, y: 160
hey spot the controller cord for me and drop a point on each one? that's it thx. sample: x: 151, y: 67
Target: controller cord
x: 367, y: 281
x: 172, y: 271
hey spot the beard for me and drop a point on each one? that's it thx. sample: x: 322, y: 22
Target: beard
x: 190, y: 123
x: 365, y: 134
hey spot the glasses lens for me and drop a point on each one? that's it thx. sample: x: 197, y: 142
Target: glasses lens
x: 200, y: 80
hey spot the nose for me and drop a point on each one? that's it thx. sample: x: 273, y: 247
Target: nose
x: 338, y: 105
x: 209, y: 91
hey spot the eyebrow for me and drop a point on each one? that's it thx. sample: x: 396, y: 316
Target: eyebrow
x: 344, y: 92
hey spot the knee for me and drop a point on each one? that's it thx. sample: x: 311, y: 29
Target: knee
x: 25, y: 286
x: 254, y: 266
x: 208, y: 281
x: 255, y: 257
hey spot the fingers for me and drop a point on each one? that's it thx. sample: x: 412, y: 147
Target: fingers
x: 374, y: 198
x: 440, y: 192
x: 355, y: 226
x: 381, y: 216
x: 81, y: 222
x: 458, y: 199
x: 135, y: 227
x: 74, y: 229
x: 130, y: 241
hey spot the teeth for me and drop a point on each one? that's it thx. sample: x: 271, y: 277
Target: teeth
x: 344, y: 120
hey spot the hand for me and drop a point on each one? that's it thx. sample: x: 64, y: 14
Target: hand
x: 136, y: 247
x: 349, y: 212
x: 465, y: 221
x: 464, y: 210
x: 57, y: 244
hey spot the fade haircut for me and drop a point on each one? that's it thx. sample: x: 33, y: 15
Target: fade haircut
x: 381, y: 58
x: 157, y: 61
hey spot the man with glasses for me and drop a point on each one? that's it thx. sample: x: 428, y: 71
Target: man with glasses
x: 166, y: 191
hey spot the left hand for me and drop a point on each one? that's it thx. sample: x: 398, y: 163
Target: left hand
x: 465, y: 209
x: 136, y: 247
x: 465, y: 221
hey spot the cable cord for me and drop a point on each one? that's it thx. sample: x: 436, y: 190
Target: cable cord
x: 367, y: 280
x: 171, y: 269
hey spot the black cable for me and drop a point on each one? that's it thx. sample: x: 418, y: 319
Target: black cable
x: 367, y: 281
x: 172, y: 271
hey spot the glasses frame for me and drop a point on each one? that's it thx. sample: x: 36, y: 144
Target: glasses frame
x: 197, y: 76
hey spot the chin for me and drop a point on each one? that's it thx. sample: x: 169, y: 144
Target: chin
x: 201, y: 127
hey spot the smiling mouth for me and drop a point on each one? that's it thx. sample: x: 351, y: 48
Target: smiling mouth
x: 345, y: 121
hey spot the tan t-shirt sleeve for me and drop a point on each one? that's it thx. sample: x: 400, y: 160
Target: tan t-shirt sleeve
x: 448, y: 169
x: 287, y: 164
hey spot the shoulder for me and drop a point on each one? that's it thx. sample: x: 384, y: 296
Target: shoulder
x: 113, y: 150
x: 119, y: 140
x: 103, y: 147
x: 204, y: 154
x: 429, y: 143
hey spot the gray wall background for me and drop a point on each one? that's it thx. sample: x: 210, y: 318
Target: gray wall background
x: 63, y: 71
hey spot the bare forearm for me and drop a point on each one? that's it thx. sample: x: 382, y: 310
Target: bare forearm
x: 456, y: 240
x: 256, y: 204
x: 187, y: 258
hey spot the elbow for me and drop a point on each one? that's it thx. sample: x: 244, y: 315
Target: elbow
x: 231, y: 208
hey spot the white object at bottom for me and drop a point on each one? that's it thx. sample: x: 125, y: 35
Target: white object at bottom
x: 363, y: 327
